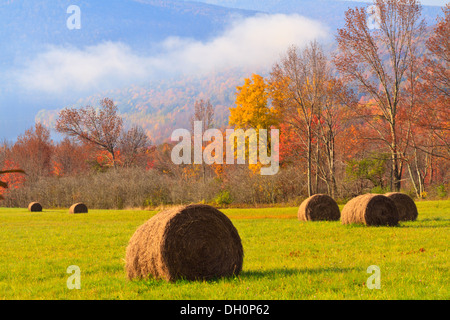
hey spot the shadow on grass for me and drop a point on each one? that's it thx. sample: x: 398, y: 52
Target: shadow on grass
x: 418, y: 223
x: 363, y: 226
x: 423, y: 227
x: 246, y: 275
x: 433, y: 219
x: 258, y: 274
x: 405, y: 224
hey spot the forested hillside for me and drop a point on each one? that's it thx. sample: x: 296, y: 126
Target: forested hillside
x: 161, y: 106
x: 165, y: 105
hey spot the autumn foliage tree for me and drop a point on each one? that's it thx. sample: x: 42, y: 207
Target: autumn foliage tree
x: 378, y: 62
x: 297, y: 80
x: 71, y: 158
x: 252, y: 108
x: 6, y: 173
x: 204, y: 113
x: 309, y: 100
x: 102, y: 127
x: 254, y: 112
x: 439, y: 63
x: 33, y: 151
x: 436, y: 88
x: 133, y: 145
x: 4, y: 184
x: 331, y: 122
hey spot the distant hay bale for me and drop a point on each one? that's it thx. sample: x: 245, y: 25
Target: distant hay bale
x: 194, y: 242
x: 319, y: 207
x: 371, y: 210
x: 407, y: 210
x: 35, y: 207
x: 78, y: 208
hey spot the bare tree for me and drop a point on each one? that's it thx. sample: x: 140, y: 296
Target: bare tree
x: 132, y: 144
x: 204, y: 112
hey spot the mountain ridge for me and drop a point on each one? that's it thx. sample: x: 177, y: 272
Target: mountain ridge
x: 29, y: 27
x: 159, y: 105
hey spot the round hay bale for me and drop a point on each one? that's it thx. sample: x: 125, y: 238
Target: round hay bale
x: 371, y: 210
x: 78, y: 208
x: 407, y: 210
x: 35, y: 207
x: 319, y: 207
x: 194, y: 242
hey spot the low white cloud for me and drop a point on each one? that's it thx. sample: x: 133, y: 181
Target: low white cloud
x: 251, y: 43
x: 61, y: 69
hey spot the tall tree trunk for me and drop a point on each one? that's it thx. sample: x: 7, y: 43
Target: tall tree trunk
x: 396, y: 170
x: 309, y: 171
x: 413, y: 181
x: 333, y: 175
x: 397, y: 183
x: 316, y: 187
x: 113, y: 155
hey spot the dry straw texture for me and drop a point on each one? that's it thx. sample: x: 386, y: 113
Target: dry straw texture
x: 371, y: 210
x: 195, y: 242
x: 34, y: 207
x: 78, y: 208
x: 407, y: 210
x: 319, y: 207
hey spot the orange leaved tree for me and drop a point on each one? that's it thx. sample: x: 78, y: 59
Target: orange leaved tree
x: 101, y: 128
x: 380, y: 62
x: 4, y: 184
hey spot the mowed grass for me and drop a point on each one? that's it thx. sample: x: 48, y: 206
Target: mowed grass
x: 284, y: 258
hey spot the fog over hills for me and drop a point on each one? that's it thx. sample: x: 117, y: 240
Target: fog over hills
x: 329, y: 12
x: 154, y: 58
x: 34, y: 35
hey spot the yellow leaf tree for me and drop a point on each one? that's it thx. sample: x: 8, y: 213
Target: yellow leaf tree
x: 253, y: 110
x: 252, y: 107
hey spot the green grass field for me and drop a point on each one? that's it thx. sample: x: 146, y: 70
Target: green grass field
x: 284, y: 258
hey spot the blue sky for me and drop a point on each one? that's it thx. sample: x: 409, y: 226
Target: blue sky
x: 424, y: 2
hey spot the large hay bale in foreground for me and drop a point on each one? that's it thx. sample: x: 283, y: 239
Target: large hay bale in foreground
x: 406, y: 207
x: 319, y: 207
x: 195, y: 242
x: 371, y: 210
x: 35, y: 207
x: 78, y: 208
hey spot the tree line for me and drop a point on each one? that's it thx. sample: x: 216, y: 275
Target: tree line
x: 371, y: 117
x: 379, y: 86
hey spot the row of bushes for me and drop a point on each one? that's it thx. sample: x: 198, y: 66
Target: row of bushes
x: 137, y: 188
